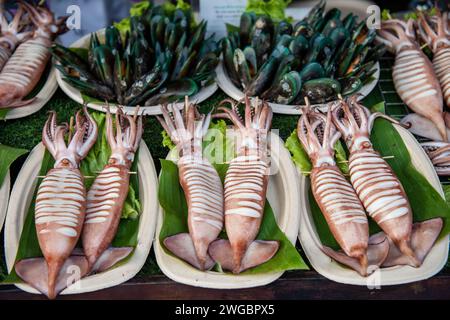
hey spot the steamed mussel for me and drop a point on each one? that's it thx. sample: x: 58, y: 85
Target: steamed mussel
x: 162, y: 58
x: 321, y: 56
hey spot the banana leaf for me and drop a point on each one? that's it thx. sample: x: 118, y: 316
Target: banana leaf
x: 7, y: 156
x: 173, y: 201
x: 90, y: 167
x: 426, y: 203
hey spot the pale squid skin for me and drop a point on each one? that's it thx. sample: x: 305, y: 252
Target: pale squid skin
x: 22, y: 71
x: 377, y: 186
x: 439, y: 154
x: 60, y: 208
x: 245, y: 192
x: 438, y: 40
x: 341, y: 207
x: 201, y: 185
x: 414, y: 77
x: 108, y: 192
x: 11, y: 34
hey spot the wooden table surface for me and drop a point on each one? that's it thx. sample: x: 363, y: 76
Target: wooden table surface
x: 293, y: 285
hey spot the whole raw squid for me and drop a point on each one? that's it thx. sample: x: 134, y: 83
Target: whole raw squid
x: 12, y: 34
x: 341, y: 207
x: 439, y: 154
x: 379, y: 189
x: 245, y: 192
x: 424, y: 127
x: 108, y: 192
x: 60, y: 208
x: 438, y: 40
x: 24, y: 68
x: 413, y: 74
x: 201, y: 184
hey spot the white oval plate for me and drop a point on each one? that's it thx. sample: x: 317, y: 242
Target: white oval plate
x: 332, y: 270
x: 4, y: 197
x: 282, y: 194
x: 43, y: 96
x: 75, y: 94
x: 232, y: 91
x: 21, y: 198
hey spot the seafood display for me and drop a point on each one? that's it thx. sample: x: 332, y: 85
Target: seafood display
x: 107, y: 194
x: 163, y: 58
x: 338, y: 201
x: 60, y: 207
x: 24, y: 68
x: 201, y: 184
x: 319, y: 57
x: 379, y: 189
x: 414, y: 77
x: 438, y: 40
x: 245, y: 191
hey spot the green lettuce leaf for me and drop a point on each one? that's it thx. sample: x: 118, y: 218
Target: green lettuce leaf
x: 273, y: 8
x: 167, y: 142
x: 301, y: 158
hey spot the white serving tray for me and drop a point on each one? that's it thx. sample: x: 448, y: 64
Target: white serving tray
x: 232, y: 91
x: 282, y: 194
x: 332, y: 270
x: 75, y: 94
x: 22, y: 195
x: 43, y: 96
x: 4, y: 197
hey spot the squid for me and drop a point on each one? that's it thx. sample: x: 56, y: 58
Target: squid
x: 439, y: 154
x: 379, y: 189
x: 22, y: 71
x: 108, y: 192
x: 245, y: 191
x: 438, y: 41
x: 338, y: 201
x: 413, y: 74
x: 201, y: 185
x: 12, y: 34
x: 60, y: 208
x: 425, y: 128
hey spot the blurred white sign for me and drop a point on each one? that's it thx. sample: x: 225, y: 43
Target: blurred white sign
x: 217, y: 13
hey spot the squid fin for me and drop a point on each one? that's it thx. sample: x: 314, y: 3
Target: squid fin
x: 377, y: 252
x: 423, y: 236
x: 34, y: 271
x: 110, y: 257
x: 19, y: 103
x: 182, y: 246
x: 258, y: 252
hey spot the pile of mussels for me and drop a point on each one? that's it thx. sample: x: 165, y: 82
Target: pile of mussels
x: 162, y: 59
x: 319, y: 57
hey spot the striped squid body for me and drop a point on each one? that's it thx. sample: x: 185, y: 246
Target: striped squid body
x: 414, y: 77
x: 438, y: 40
x: 245, y: 192
x: 60, y: 209
x: 201, y: 185
x: 379, y: 189
x: 22, y: 71
x: 11, y: 34
x: 335, y: 196
x: 108, y: 192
